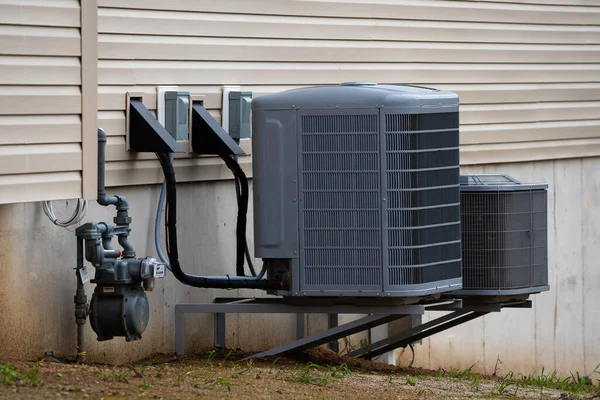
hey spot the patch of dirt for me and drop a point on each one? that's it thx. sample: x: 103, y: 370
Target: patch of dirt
x: 324, y: 356
x: 317, y: 374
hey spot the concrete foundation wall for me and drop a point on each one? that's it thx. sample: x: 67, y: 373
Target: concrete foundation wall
x: 561, y: 332
x: 38, y: 281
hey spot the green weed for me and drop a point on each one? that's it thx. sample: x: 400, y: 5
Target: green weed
x: 505, y: 383
x: 180, y: 379
x: 211, y: 356
x: 10, y: 375
x: 160, y: 371
x: 574, y: 384
x: 224, y: 382
x: 310, y: 374
x: 496, y: 367
x: 275, y: 362
x: 341, y: 372
x: 410, y: 381
x: 117, y: 375
x: 456, y: 373
x: 239, y: 370
x: 390, y: 377
x: 315, y: 374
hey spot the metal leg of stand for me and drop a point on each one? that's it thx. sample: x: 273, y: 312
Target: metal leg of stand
x: 329, y: 335
x: 219, y: 319
x: 332, y: 322
x: 300, y: 325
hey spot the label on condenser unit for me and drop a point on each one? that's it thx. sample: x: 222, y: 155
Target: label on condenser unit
x: 108, y: 289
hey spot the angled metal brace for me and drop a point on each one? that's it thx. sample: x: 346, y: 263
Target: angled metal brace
x: 329, y: 335
x: 415, y: 334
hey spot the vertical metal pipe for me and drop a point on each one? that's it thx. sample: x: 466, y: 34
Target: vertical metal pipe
x: 103, y: 199
x: 120, y: 202
x: 332, y: 322
x: 80, y: 305
x: 81, y: 353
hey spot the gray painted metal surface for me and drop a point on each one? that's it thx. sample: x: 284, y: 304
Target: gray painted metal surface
x: 221, y: 307
x: 275, y: 184
x: 420, y: 333
x: 358, y: 185
x: 328, y: 335
x: 177, y: 112
x: 462, y: 313
x: 376, y: 316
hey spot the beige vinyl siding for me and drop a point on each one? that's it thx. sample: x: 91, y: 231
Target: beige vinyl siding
x: 528, y: 72
x: 40, y: 100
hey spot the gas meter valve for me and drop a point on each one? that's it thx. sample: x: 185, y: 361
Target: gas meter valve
x: 119, y: 306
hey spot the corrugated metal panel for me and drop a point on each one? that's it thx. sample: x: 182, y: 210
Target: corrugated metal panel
x: 528, y: 72
x: 40, y: 100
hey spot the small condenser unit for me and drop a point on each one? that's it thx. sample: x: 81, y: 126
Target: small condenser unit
x: 504, y: 236
x: 356, y: 190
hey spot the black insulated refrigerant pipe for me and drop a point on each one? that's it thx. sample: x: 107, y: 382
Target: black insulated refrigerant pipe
x: 171, y: 233
x: 120, y: 202
x: 240, y: 229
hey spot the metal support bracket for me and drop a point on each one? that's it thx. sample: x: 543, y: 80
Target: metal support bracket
x: 376, y: 316
x: 223, y: 306
x: 461, y: 313
x: 329, y: 335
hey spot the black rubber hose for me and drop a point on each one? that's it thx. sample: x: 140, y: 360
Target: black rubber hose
x: 172, y: 251
x: 242, y: 212
x: 246, y: 250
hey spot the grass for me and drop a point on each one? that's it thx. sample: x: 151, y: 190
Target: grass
x: 574, y: 384
x: 116, y: 375
x: 10, y: 375
x: 510, y: 383
x: 318, y: 375
x: 220, y: 378
x: 455, y: 373
x: 224, y: 382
